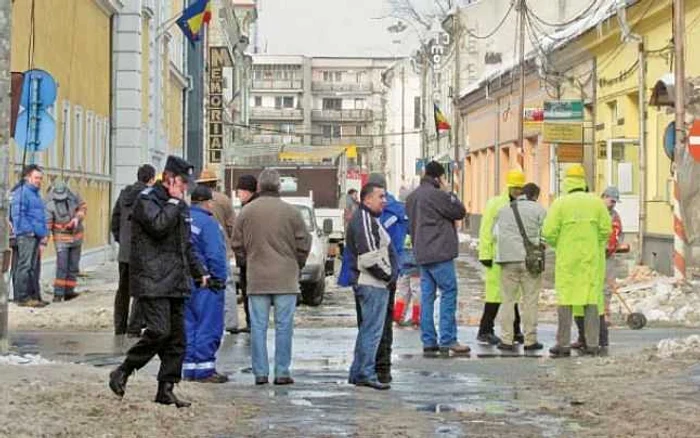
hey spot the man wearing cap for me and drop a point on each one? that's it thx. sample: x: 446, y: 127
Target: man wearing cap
x: 247, y: 192
x: 515, y: 179
x: 578, y: 226
x: 222, y: 210
x: 161, y: 274
x: 65, y: 212
x: 515, y: 223
x: 432, y: 213
x: 204, y: 311
x: 611, y: 197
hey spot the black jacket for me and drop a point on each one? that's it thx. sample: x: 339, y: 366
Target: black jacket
x: 431, y: 215
x: 372, y: 257
x: 121, y: 218
x: 163, y: 262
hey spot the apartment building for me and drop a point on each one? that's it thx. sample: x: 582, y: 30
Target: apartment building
x: 320, y: 101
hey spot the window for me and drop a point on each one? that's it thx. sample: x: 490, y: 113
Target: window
x: 287, y: 128
x: 612, y: 106
x: 65, y: 154
x: 360, y: 77
x: 99, y: 134
x: 338, y: 76
x: 104, y: 149
x: 288, y: 102
x: 327, y: 76
x: 267, y: 74
x: 90, y: 144
x: 359, y: 104
x: 358, y: 130
x: 331, y: 131
x: 332, y: 104
x: 416, y: 112
x: 257, y: 75
x: 258, y: 101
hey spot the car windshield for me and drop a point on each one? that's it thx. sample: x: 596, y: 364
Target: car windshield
x: 306, y: 214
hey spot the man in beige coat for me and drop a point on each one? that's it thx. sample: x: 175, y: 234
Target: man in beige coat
x: 273, y: 238
x: 222, y: 210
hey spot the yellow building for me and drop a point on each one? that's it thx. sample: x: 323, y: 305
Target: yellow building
x: 71, y: 41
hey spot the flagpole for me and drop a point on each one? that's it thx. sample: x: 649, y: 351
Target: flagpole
x: 167, y: 25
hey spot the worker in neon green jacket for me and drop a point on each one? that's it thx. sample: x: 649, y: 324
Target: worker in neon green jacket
x: 492, y: 278
x: 577, y: 227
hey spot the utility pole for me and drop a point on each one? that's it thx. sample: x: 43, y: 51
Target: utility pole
x: 5, y: 99
x: 403, y: 122
x: 423, y: 104
x: 642, y: 151
x: 679, y: 240
x: 456, y: 40
x: 521, y: 103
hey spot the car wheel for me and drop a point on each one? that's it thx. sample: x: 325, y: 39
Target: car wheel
x: 313, y: 294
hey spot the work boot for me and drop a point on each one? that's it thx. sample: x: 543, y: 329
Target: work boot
x: 457, y: 349
x: 506, y: 347
x: 374, y: 384
x: 384, y: 376
x: 165, y: 396
x: 557, y: 351
x: 57, y: 298
x: 117, y: 381
x: 590, y: 351
x: 519, y: 338
x: 488, y: 339
x: 534, y: 347
x: 214, y: 378
x: 70, y: 296
x: 581, y: 327
x: 431, y: 351
x: 283, y: 381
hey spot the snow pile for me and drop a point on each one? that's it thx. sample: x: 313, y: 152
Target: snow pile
x: 660, y: 298
x: 23, y: 359
x: 673, y: 348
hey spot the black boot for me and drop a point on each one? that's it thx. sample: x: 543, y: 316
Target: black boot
x: 604, y: 340
x: 581, y: 326
x: 519, y: 337
x: 165, y: 396
x: 117, y: 381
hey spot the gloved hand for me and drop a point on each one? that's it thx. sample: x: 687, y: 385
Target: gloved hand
x: 487, y: 263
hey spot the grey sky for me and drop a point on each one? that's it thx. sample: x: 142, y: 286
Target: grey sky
x: 329, y: 27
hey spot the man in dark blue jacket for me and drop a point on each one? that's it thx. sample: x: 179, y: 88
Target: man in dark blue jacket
x: 204, y: 311
x: 373, y: 266
x: 395, y: 221
x: 28, y: 221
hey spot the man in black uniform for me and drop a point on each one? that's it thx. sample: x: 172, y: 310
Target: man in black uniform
x: 159, y: 277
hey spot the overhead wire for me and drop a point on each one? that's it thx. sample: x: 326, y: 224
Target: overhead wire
x: 578, y: 17
x: 496, y: 29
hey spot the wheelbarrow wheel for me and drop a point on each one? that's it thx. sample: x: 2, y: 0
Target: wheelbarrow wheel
x: 636, y: 321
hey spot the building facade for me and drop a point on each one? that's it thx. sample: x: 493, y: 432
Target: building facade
x: 321, y: 101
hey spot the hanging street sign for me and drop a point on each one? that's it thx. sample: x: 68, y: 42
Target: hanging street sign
x: 562, y: 133
x: 563, y: 110
x: 35, y: 129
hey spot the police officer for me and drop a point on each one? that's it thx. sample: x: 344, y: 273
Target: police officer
x: 160, y: 278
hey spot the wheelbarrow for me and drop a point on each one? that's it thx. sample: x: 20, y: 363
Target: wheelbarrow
x: 635, y: 320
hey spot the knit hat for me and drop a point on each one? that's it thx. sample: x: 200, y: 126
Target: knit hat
x: 248, y: 183
x: 378, y: 179
x: 201, y: 193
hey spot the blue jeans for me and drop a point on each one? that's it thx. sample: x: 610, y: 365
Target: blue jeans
x: 443, y: 276
x: 285, y: 305
x: 373, y: 303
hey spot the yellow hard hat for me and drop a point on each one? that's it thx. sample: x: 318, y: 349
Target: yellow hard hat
x: 576, y: 171
x: 515, y: 179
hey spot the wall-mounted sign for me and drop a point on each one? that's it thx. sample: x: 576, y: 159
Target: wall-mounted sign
x: 563, y: 110
x: 570, y: 153
x: 219, y: 57
x: 562, y: 133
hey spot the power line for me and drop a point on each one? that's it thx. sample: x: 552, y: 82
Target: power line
x: 496, y: 29
x: 580, y: 16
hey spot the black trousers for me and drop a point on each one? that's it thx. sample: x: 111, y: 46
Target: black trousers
x: 26, y: 269
x: 125, y: 321
x: 385, y: 345
x: 244, y: 293
x: 164, y: 336
x: 488, y: 319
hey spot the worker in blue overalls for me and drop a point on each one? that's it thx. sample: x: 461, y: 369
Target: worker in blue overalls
x: 204, y: 311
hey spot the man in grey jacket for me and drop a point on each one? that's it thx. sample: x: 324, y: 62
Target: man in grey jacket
x: 432, y: 213
x: 515, y: 277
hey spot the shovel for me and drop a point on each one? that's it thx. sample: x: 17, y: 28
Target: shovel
x: 635, y: 320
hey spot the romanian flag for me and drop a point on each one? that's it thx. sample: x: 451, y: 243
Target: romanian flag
x: 193, y: 18
x: 441, y: 123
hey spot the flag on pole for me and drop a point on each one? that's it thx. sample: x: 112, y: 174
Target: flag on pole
x: 441, y: 123
x: 193, y: 19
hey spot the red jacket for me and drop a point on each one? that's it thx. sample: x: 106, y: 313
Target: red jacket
x: 616, y: 235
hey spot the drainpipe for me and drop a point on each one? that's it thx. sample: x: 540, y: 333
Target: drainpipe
x: 642, y: 151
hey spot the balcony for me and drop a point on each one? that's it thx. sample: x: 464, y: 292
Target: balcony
x: 343, y: 141
x: 277, y: 139
x: 354, y: 115
x: 341, y: 87
x: 278, y: 84
x: 259, y: 113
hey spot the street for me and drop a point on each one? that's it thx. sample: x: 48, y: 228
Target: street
x: 488, y: 394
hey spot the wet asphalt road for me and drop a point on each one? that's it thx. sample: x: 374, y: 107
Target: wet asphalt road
x: 429, y: 397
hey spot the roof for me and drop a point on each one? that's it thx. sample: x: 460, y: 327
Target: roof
x: 555, y: 40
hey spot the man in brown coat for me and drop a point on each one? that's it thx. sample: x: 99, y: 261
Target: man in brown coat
x: 273, y: 238
x: 222, y: 210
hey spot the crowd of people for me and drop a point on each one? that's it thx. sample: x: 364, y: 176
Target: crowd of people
x: 177, y: 295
